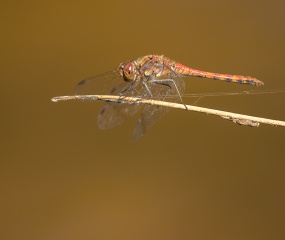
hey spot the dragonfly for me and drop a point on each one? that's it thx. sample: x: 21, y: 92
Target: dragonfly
x: 149, y: 77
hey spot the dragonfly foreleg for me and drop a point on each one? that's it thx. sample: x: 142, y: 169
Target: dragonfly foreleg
x: 127, y: 89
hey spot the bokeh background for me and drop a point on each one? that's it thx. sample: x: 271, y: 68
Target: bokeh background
x: 192, y: 176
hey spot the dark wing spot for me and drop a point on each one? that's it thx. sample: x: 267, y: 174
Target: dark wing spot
x: 102, y: 111
x: 81, y: 83
x: 113, y: 90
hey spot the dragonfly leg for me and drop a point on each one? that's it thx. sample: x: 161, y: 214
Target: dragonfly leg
x: 147, y: 89
x: 165, y: 82
x: 126, y: 90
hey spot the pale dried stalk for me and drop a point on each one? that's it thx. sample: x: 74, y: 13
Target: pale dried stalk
x: 236, y: 118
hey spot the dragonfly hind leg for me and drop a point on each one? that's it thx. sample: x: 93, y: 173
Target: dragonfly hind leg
x: 166, y: 83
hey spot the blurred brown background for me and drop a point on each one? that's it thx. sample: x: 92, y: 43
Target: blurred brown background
x: 192, y: 176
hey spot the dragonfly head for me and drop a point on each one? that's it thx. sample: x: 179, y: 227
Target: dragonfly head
x: 127, y: 71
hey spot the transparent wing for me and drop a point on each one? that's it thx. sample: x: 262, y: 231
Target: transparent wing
x: 107, y: 83
x: 113, y: 114
x: 110, y: 83
x: 170, y: 91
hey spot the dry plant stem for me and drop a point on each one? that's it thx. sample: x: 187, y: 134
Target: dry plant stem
x: 249, y: 120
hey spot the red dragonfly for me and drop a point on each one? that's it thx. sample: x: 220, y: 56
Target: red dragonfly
x: 152, y: 77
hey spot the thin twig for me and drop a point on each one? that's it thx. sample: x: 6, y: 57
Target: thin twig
x: 236, y: 118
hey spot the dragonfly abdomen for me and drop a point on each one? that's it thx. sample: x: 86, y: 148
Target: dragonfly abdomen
x: 186, y: 71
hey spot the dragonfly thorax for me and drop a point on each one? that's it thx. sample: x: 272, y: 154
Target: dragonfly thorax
x: 127, y: 71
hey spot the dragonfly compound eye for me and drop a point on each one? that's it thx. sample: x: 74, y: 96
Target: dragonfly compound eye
x: 129, y: 71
